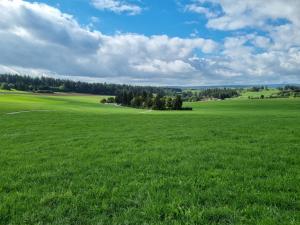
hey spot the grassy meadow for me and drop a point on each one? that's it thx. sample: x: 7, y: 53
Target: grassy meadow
x: 257, y: 94
x: 66, y: 159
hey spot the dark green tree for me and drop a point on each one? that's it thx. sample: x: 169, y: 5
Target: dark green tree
x: 159, y: 102
x: 169, y: 103
x: 177, y: 103
x: 5, y: 86
x: 149, y: 102
x: 103, y: 101
x: 136, y: 102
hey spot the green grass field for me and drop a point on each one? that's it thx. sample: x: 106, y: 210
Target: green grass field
x: 253, y: 94
x: 69, y: 160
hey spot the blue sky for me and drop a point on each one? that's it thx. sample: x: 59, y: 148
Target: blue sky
x: 157, y: 18
x: 157, y: 42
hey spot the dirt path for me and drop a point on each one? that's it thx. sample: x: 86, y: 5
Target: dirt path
x: 18, y: 112
x: 148, y: 111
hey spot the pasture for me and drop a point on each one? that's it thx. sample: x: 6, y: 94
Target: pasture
x: 70, y: 160
x: 252, y: 94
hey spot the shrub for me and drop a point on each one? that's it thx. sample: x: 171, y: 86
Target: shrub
x: 5, y: 86
x: 110, y: 100
x: 44, y: 91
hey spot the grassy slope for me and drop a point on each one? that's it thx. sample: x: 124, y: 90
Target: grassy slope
x: 266, y: 93
x: 226, y: 162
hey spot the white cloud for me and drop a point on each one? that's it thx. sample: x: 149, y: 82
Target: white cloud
x: 117, y: 6
x: 239, y: 14
x: 261, y: 42
x: 199, y: 9
x: 142, y: 56
x: 169, y: 68
x: 246, y: 55
x: 37, y: 38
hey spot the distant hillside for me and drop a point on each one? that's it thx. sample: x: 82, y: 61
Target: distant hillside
x: 230, y: 86
x: 47, y: 84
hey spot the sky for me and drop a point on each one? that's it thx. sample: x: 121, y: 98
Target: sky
x: 153, y: 42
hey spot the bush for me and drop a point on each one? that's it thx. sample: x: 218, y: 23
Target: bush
x: 44, y: 91
x: 136, y: 102
x: 296, y: 94
x: 177, y: 103
x: 110, y: 100
x: 5, y: 86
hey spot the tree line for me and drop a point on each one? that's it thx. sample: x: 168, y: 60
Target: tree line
x: 258, y: 88
x: 147, y: 100
x: 289, y: 91
x: 47, y: 84
x: 210, y: 93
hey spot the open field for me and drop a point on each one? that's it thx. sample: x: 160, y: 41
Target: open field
x: 70, y: 160
x: 253, y: 94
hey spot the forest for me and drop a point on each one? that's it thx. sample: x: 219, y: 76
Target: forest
x: 49, y: 85
x: 210, y: 93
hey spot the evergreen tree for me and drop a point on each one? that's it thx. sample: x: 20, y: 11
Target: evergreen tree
x: 159, y: 102
x: 5, y: 86
x: 27, y: 83
x: 169, y: 103
x: 177, y: 103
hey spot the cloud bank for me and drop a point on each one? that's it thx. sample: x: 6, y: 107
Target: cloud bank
x: 39, y: 39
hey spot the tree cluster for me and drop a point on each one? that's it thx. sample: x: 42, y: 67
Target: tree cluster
x: 5, y: 86
x: 289, y: 91
x: 258, y: 88
x: 211, y: 93
x: 46, y: 84
x: 108, y: 100
x: 148, y: 100
x: 293, y: 88
x: 257, y: 97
